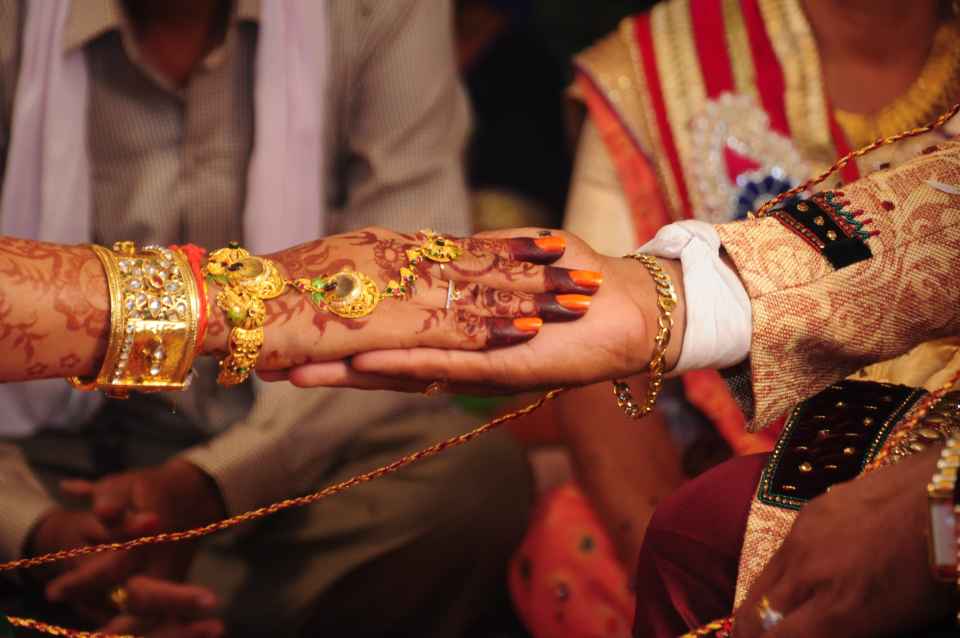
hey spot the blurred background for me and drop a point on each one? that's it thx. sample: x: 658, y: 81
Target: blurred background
x: 515, y: 58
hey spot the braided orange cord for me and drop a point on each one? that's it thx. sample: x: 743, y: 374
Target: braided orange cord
x: 273, y: 508
x: 846, y: 159
x: 56, y: 630
x: 301, y: 501
x: 711, y: 629
x: 433, y: 450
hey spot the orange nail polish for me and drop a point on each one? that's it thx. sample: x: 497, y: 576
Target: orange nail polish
x: 552, y: 244
x: 528, y: 324
x: 586, y: 278
x: 580, y: 303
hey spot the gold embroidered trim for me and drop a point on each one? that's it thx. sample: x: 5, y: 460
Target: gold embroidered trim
x: 659, y: 160
x: 738, y: 47
x: 933, y: 92
x: 806, y: 103
x: 681, y: 78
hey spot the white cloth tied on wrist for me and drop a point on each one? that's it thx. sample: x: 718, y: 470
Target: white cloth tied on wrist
x: 718, y: 317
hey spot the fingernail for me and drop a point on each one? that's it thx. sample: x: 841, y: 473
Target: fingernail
x: 587, y: 278
x: 528, y: 324
x: 551, y: 307
x: 551, y: 244
x: 208, y: 601
x: 566, y: 281
x: 578, y: 303
x: 506, y: 332
x: 538, y: 251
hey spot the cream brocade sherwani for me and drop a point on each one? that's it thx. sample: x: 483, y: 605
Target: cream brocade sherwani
x: 169, y: 166
x: 814, y: 325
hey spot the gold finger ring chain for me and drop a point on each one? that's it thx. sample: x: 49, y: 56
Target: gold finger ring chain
x: 717, y: 628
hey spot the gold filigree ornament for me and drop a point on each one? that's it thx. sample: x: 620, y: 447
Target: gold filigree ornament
x: 247, y: 281
x: 436, y: 248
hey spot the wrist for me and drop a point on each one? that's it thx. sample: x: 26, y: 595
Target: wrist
x: 215, y: 341
x: 646, y: 299
x: 674, y: 269
x: 278, y: 349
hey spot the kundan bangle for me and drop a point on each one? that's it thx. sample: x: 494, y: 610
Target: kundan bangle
x: 666, y: 303
x: 154, y: 311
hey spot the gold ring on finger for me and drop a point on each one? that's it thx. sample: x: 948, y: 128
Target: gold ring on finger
x: 436, y: 388
x: 119, y: 597
x: 453, y: 295
x: 769, y: 617
x: 438, y: 248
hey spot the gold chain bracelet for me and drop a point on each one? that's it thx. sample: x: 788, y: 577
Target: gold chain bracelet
x: 666, y: 303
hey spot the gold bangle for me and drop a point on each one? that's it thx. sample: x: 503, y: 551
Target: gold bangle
x: 154, y: 316
x: 666, y: 302
x: 115, y: 300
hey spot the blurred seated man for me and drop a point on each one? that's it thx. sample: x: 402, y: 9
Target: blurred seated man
x: 194, y: 112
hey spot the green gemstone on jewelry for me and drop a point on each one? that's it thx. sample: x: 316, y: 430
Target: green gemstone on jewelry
x: 317, y: 297
x: 235, y: 315
x: 319, y: 282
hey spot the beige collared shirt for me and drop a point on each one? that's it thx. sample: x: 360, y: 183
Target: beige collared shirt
x: 169, y: 166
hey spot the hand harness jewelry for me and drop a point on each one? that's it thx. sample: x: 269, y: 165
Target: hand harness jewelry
x: 248, y: 281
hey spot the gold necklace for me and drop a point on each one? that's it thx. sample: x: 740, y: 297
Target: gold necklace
x: 935, y: 89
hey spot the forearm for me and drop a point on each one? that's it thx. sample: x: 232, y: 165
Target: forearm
x: 54, y: 310
x: 625, y: 467
x: 55, y: 313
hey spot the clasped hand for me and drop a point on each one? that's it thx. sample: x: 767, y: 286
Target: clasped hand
x: 855, y: 563
x: 120, y: 507
x: 410, y: 344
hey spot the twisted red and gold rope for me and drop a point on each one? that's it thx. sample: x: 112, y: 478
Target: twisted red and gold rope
x: 302, y: 501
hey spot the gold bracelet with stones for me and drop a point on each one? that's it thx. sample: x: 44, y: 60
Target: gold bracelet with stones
x: 666, y: 303
x: 154, y: 312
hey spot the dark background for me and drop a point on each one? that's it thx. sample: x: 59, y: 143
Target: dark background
x: 515, y: 57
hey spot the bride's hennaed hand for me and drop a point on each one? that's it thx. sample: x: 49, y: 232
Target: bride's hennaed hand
x: 503, y: 291
x: 614, y: 340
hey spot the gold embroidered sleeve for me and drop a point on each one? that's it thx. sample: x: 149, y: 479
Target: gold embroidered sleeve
x: 817, y: 319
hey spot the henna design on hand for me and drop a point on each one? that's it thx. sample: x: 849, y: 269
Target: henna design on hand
x: 502, y: 303
x: 68, y: 279
x: 18, y: 334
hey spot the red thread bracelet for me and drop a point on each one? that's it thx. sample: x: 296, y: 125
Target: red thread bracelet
x: 195, y: 256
